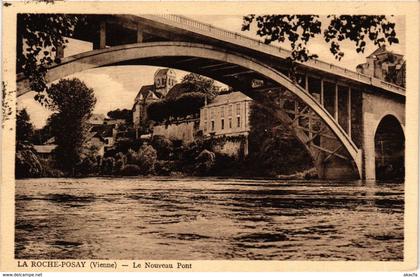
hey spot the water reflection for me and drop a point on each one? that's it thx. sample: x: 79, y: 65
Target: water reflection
x: 208, y: 219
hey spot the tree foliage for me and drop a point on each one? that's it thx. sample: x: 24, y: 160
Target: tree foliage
x: 198, y: 83
x: 195, y: 90
x: 298, y: 30
x: 121, y: 114
x: 145, y: 158
x: 272, y: 148
x: 24, y: 127
x: 73, y: 102
x: 40, y: 38
x: 178, y: 108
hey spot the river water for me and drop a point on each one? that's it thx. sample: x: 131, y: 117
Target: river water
x: 207, y: 219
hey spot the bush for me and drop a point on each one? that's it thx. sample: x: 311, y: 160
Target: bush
x: 163, y: 146
x: 27, y: 164
x: 88, y: 165
x: 180, y: 107
x: 204, y: 162
x: 166, y: 168
x: 130, y: 170
x: 147, y: 158
x: 120, y: 162
x: 108, y: 164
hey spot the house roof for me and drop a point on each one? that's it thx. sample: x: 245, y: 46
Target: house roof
x: 45, y: 149
x: 103, y: 130
x: 97, y: 117
x: 147, y: 92
x: 229, y: 98
x: 163, y: 71
x: 178, y: 89
x: 380, y: 51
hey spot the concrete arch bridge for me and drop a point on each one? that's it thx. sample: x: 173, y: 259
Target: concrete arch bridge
x: 348, y: 122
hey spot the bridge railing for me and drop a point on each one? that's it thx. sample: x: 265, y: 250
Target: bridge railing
x: 278, y: 51
x: 251, y: 42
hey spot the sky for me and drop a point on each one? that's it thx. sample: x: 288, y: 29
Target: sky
x: 116, y: 87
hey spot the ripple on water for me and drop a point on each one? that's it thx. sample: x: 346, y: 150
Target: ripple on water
x: 145, y: 218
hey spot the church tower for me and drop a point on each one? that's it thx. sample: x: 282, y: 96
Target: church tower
x: 164, y: 80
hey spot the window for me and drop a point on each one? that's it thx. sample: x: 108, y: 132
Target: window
x: 230, y: 108
x: 212, y: 113
x: 238, y: 121
x: 205, y: 126
x: 222, y: 111
x: 212, y: 125
x: 230, y: 123
x: 205, y: 114
x: 223, y: 124
x: 238, y: 108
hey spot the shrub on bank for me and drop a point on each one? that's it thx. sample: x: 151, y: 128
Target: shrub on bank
x: 130, y: 170
x: 27, y: 163
x: 164, y: 147
x: 147, y: 157
x: 204, y: 162
x: 166, y: 168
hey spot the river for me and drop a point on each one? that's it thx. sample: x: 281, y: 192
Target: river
x: 208, y: 219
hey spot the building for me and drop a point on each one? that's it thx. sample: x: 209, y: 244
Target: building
x: 113, y: 121
x: 96, y: 119
x: 93, y: 146
x: 228, y: 115
x: 385, y: 65
x: 164, y: 80
x: 107, y: 133
x: 45, y: 151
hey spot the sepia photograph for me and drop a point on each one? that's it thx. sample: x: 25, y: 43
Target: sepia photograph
x: 241, y: 137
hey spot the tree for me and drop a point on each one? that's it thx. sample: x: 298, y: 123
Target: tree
x: 44, y: 36
x: 73, y: 102
x: 198, y: 83
x: 24, y: 127
x: 147, y: 158
x: 300, y: 29
x: 272, y: 148
x: 121, y: 114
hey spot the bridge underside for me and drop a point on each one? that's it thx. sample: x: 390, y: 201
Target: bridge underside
x: 332, y: 151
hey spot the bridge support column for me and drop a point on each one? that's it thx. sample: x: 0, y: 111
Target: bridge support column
x: 330, y: 163
x: 140, y: 34
x: 369, y: 125
x: 100, y: 40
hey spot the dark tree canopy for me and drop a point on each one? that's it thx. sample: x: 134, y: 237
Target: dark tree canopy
x: 24, y: 127
x: 73, y: 102
x: 198, y: 83
x: 298, y: 30
x: 40, y: 37
x: 121, y: 114
x: 187, y: 101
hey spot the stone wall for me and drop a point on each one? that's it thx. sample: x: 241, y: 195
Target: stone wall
x: 232, y: 148
x: 180, y: 131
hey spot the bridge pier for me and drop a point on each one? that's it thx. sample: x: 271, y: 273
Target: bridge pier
x: 375, y: 108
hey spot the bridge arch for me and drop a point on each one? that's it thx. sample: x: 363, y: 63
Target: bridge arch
x: 152, y: 54
x: 389, y: 149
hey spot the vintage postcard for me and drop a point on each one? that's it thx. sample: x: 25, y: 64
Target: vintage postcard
x: 209, y: 136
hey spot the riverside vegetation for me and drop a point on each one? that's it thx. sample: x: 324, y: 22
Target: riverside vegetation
x: 273, y: 151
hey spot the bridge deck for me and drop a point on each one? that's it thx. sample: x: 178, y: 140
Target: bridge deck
x: 220, y: 34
